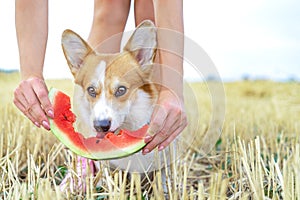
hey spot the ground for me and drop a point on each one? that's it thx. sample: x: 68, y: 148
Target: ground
x: 255, y: 157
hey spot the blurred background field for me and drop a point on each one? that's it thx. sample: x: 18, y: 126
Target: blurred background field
x: 256, y: 157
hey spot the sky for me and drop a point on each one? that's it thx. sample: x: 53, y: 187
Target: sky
x: 257, y: 39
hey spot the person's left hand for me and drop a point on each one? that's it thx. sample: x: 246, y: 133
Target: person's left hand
x: 167, y: 122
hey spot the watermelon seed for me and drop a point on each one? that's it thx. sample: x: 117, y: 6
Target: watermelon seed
x: 66, y: 118
x: 97, y: 141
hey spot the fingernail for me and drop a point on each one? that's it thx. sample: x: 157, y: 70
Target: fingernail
x: 46, y: 125
x: 50, y: 113
x: 160, y: 148
x: 148, y: 138
x: 146, y: 151
x: 37, y: 124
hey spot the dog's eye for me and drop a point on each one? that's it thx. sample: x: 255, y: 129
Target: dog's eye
x: 120, y: 91
x: 92, y: 91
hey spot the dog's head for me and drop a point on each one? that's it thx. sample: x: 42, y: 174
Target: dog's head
x: 109, y: 86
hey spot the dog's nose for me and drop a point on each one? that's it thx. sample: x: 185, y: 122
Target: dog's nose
x: 102, y: 125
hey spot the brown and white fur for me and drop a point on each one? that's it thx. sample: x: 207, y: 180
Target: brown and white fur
x: 114, y: 91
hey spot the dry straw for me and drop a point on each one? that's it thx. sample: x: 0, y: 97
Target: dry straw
x: 257, y: 156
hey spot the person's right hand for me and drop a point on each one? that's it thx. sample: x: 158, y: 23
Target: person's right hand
x: 31, y: 97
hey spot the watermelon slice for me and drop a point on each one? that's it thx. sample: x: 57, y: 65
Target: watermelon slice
x: 111, y: 146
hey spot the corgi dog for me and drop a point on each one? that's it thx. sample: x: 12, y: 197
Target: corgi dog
x: 114, y: 91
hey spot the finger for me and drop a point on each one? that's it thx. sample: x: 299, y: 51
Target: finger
x: 21, y: 102
x: 38, y: 113
x: 20, y: 99
x: 159, y: 138
x: 167, y: 133
x: 157, y: 122
x: 34, y: 106
x: 172, y: 137
x: 41, y: 92
x: 26, y: 113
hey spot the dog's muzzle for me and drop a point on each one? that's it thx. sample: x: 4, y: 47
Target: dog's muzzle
x: 102, y: 125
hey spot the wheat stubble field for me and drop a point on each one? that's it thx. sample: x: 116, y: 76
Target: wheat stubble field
x: 256, y: 157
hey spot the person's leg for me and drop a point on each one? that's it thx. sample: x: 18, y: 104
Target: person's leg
x: 110, y: 18
x: 143, y: 9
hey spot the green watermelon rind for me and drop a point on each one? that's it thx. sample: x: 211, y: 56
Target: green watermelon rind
x: 114, y: 154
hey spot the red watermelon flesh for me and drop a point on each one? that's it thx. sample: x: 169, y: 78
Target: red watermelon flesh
x: 111, y: 146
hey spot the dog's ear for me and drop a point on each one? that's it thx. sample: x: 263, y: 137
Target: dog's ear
x: 143, y: 43
x: 75, y: 49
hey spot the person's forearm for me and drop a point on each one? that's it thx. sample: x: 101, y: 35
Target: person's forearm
x: 169, y: 20
x: 32, y: 33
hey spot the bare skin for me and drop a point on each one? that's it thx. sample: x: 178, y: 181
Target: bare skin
x: 107, y: 24
x: 31, y: 97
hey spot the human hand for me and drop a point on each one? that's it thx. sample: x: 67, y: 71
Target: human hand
x: 168, y: 121
x: 31, y: 98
